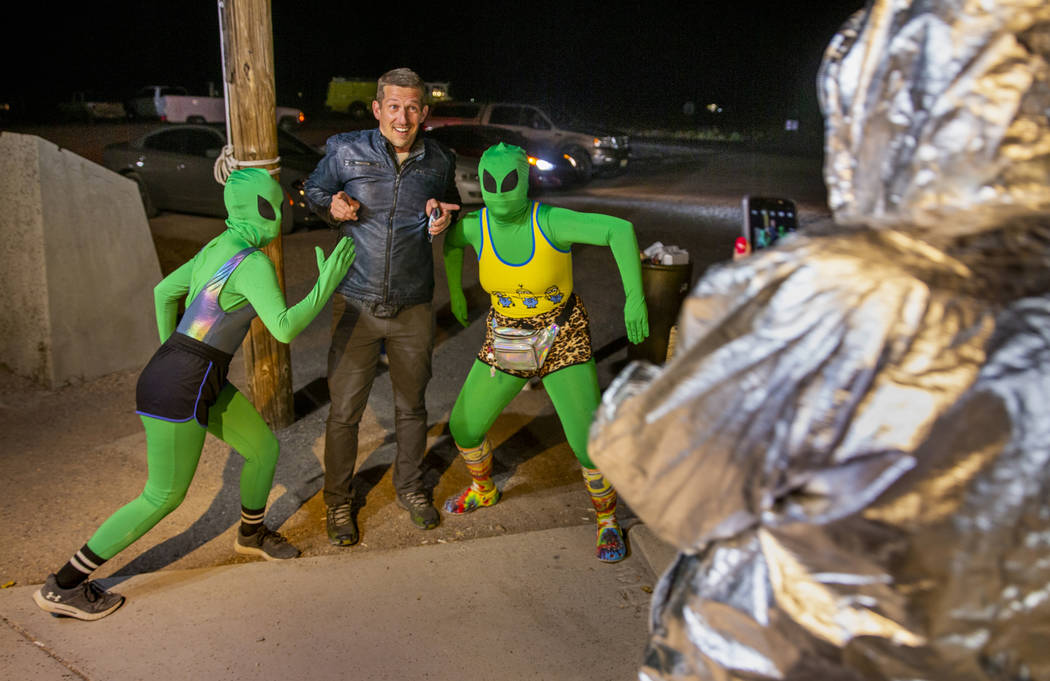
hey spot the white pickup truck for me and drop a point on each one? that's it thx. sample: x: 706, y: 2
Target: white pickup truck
x: 172, y: 104
x: 591, y: 150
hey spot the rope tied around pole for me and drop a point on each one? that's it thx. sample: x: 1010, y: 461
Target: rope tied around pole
x: 226, y: 164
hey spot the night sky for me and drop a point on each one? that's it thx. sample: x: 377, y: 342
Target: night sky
x: 593, y: 60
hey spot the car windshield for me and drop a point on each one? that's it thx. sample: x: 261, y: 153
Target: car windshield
x: 563, y: 119
x: 193, y: 141
x: 288, y: 144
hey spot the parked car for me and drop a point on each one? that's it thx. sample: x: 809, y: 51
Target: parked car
x: 86, y: 106
x: 590, y: 149
x: 174, y: 167
x: 172, y: 104
x: 148, y: 102
x: 547, y: 168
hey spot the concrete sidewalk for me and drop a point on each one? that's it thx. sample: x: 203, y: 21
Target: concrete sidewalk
x: 521, y: 606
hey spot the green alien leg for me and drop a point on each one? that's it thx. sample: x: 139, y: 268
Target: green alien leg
x: 575, y: 394
x: 235, y: 421
x: 483, y: 397
x: 172, y: 453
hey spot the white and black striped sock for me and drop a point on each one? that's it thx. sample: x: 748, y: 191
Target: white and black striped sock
x: 251, y: 520
x: 80, y: 566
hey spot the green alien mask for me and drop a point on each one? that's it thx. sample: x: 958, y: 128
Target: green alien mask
x: 504, y: 174
x: 254, y: 201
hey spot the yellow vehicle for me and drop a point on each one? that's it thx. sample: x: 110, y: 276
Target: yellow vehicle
x: 354, y: 95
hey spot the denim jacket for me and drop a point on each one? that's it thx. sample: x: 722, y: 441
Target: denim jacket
x: 394, y: 265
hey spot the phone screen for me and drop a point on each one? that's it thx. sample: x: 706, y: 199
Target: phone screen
x: 766, y: 220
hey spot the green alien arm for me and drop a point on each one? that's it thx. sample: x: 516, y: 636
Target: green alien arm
x: 571, y: 227
x: 166, y: 297
x: 455, y: 244
x: 256, y: 281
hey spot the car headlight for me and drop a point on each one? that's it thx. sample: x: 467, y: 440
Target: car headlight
x: 611, y: 142
x: 541, y: 164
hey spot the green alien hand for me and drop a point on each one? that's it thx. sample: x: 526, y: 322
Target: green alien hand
x: 636, y: 319
x: 458, y: 303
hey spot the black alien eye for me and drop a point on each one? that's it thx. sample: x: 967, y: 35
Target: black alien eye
x: 488, y: 182
x: 266, y: 211
x: 510, y: 181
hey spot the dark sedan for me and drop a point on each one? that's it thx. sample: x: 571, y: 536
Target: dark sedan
x: 547, y: 168
x: 174, y: 167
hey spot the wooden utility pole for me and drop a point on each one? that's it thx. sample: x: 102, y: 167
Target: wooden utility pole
x: 247, y: 35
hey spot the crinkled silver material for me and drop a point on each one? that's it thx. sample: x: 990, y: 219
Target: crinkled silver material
x: 936, y: 114
x: 851, y: 445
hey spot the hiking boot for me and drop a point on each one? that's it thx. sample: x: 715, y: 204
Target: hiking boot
x: 86, y: 601
x: 419, y: 508
x: 265, y: 543
x: 342, y: 529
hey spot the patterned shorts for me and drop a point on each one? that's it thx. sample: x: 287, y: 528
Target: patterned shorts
x: 571, y: 346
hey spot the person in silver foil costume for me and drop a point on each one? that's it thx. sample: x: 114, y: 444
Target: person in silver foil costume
x: 850, y: 447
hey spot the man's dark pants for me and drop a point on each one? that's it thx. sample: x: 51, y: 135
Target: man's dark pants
x: 357, y: 335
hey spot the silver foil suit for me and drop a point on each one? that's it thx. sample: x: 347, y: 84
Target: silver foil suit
x: 850, y: 447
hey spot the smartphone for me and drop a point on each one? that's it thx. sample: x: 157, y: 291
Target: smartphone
x: 434, y: 215
x: 767, y: 219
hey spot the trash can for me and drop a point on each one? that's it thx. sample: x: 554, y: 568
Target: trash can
x: 665, y: 288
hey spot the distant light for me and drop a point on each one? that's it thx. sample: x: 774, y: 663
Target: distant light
x: 714, y: 108
x: 541, y: 164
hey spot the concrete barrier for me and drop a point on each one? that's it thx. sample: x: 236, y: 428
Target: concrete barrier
x: 77, y: 266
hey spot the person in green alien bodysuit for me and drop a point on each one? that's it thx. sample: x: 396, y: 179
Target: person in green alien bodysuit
x: 525, y: 264
x: 182, y: 394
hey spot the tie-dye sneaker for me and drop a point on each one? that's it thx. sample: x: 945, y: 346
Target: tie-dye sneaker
x: 471, y: 499
x: 611, y: 546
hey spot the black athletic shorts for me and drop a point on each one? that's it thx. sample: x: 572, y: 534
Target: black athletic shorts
x: 182, y: 380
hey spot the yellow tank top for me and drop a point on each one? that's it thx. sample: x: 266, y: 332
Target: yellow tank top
x: 538, y: 285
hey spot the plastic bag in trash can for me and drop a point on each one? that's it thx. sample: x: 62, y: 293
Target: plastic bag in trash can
x: 666, y: 276
x: 659, y: 254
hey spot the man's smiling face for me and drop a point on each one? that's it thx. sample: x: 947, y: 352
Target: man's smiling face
x: 400, y: 114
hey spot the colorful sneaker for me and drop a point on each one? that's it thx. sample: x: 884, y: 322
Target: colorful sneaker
x: 266, y: 544
x: 86, y: 601
x: 342, y: 528
x: 471, y: 499
x: 419, y: 508
x: 611, y: 547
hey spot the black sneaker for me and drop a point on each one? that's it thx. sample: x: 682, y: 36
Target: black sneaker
x: 342, y: 528
x: 87, y: 601
x: 266, y: 544
x: 419, y: 508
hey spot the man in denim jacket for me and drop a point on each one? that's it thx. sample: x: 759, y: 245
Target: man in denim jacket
x: 381, y: 186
